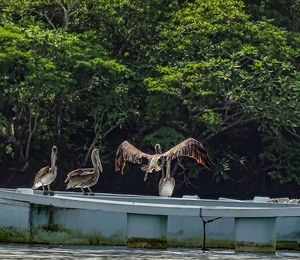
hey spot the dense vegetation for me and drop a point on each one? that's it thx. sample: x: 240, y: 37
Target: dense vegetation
x: 93, y: 73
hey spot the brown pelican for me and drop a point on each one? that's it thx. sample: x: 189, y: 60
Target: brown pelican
x: 189, y: 147
x: 86, y: 177
x: 159, y: 167
x: 46, y: 175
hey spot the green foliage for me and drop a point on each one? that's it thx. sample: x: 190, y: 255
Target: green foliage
x: 227, y: 71
x: 282, y: 13
x: 93, y: 73
x: 40, y: 66
x: 211, y: 120
x: 227, y: 164
x: 167, y: 137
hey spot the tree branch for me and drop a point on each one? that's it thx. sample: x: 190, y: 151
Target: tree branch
x: 186, y: 179
x: 67, y: 11
x: 292, y: 133
x: 31, y: 132
x: 238, y: 122
x: 49, y: 20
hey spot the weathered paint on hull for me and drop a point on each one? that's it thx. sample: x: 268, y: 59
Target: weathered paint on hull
x: 23, y: 222
x: 69, y: 237
x: 198, y: 242
x: 40, y: 224
x: 151, y: 243
x: 287, y: 245
x: 147, y: 231
x: 255, y: 235
x: 255, y: 247
x: 14, y: 235
x: 56, y: 235
x: 50, y: 225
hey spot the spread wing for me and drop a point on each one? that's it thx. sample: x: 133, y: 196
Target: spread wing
x: 127, y: 152
x: 190, y: 148
x: 40, y: 174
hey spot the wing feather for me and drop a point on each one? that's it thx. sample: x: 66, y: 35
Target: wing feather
x: 79, y: 176
x: 190, y: 148
x: 128, y: 152
x: 40, y: 174
x: 79, y: 172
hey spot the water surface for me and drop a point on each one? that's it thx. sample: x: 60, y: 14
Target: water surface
x: 19, y: 251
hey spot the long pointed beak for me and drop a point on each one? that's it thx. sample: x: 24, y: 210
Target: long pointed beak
x: 100, y: 167
x: 54, y: 157
x: 146, y: 176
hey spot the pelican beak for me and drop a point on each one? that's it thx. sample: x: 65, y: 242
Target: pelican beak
x: 100, y: 167
x: 54, y: 156
x: 146, y: 176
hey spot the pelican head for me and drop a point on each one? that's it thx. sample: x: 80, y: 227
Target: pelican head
x: 54, y: 154
x: 95, y: 156
x: 157, y: 148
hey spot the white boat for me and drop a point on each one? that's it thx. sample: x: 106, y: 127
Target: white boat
x: 27, y: 216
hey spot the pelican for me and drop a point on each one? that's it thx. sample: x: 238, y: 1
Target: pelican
x: 86, y: 177
x: 159, y: 167
x: 166, y: 184
x: 46, y: 175
x: 189, y: 147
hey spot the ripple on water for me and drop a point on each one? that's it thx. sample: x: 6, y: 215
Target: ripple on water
x: 19, y: 251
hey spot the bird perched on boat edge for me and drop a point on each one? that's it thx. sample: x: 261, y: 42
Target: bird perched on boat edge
x: 86, y: 177
x: 46, y: 175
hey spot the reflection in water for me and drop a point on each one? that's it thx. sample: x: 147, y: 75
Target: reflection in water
x: 16, y: 251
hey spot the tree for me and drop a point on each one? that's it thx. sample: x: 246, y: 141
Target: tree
x: 280, y: 13
x: 227, y: 74
x: 93, y: 73
x: 38, y: 67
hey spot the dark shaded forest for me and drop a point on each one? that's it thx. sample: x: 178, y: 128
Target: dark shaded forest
x: 93, y: 73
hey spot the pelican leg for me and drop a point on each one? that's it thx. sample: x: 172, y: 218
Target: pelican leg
x: 91, y: 193
x: 51, y: 192
x: 168, y: 174
x: 162, y: 172
x: 44, y: 191
x: 84, y: 192
x: 161, y: 181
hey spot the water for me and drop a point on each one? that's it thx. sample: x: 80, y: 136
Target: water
x: 16, y: 251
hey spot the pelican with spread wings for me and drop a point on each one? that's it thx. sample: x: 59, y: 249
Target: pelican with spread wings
x: 189, y: 148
